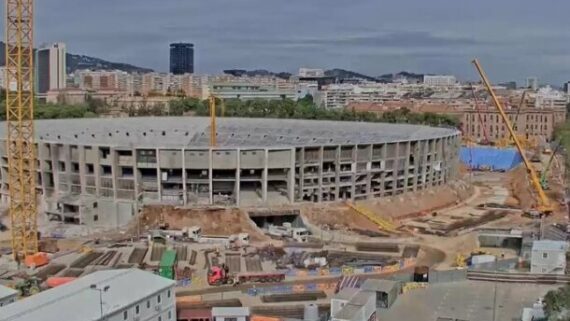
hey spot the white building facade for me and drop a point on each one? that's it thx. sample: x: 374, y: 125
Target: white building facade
x: 548, y: 257
x: 439, y: 80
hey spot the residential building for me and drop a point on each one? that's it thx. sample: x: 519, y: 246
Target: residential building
x: 440, y: 80
x: 51, y: 68
x: 566, y: 88
x: 181, y: 58
x: 532, y: 83
x: 252, y: 90
x: 7, y: 296
x: 230, y: 314
x: 311, y: 73
x: 547, y: 97
x: 548, y: 257
x: 125, y: 295
x: 102, y: 80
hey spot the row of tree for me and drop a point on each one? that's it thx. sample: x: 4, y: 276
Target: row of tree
x: 286, y: 108
x: 304, y: 109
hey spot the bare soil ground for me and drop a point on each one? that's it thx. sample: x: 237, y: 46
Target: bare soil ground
x: 212, y: 221
x: 338, y: 217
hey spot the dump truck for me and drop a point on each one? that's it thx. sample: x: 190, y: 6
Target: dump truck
x: 287, y: 231
x: 167, y: 263
x: 219, y: 275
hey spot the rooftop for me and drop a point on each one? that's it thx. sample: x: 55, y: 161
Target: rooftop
x: 548, y: 245
x: 6, y: 292
x: 465, y: 300
x: 194, y: 132
x: 77, y: 301
x: 380, y: 285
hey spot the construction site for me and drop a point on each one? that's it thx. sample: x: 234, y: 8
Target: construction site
x: 268, y: 219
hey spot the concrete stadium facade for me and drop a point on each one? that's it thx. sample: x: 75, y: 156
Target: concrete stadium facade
x: 100, y: 172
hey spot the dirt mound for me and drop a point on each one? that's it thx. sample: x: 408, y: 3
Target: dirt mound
x: 519, y: 187
x: 212, y: 221
x: 420, y: 203
x: 338, y: 217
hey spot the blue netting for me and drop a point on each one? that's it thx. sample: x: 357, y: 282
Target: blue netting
x: 490, y: 158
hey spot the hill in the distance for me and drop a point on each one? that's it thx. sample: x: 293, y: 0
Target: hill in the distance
x: 76, y: 62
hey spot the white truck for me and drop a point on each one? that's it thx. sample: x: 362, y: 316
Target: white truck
x: 194, y: 233
x: 287, y: 231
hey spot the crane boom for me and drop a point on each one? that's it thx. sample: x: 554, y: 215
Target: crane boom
x: 20, y: 127
x: 543, y: 201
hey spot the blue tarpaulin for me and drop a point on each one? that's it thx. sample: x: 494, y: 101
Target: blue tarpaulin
x: 490, y: 158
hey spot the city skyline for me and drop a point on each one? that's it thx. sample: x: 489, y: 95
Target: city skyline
x: 373, y: 38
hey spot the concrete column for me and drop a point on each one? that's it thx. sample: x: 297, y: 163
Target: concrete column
x: 185, y: 195
x: 433, y: 159
x: 301, y: 172
x: 238, y: 177
x: 383, y: 175
x: 40, y: 155
x: 396, y: 168
x: 407, y: 165
x: 137, y: 190
x: 369, y: 172
x: 337, y: 173
x: 264, y: 176
x: 291, y: 177
x: 97, y: 170
x: 82, y: 179
x: 417, y: 162
x: 353, y: 174
x: 114, y: 170
x: 158, y: 175
x: 68, y: 174
x: 211, y: 174
x: 320, y: 175
x: 54, y: 169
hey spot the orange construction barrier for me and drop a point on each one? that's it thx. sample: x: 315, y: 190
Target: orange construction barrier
x: 36, y: 260
x: 54, y: 281
x: 264, y: 318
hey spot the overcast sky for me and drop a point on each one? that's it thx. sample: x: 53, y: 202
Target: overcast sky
x: 513, y: 38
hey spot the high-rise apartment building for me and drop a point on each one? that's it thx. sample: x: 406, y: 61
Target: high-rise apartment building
x: 182, y: 58
x: 51, y: 68
x: 532, y: 83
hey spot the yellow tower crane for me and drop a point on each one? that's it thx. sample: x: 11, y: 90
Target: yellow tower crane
x: 543, y: 206
x: 20, y: 127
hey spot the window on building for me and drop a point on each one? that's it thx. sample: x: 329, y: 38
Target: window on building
x: 230, y: 319
x: 137, y: 309
x: 148, y: 304
x: 158, y: 298
x: 169, y: 315
x: 159, y: 318
x: 544, y: 255
x: 168, y: 294
x: 95, y: 218
x: 125, y: 315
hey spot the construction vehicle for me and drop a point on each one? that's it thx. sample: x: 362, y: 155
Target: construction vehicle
x: 287, y: 231
x: 219, y: 275
x: 543, y: 203
x: 544, y: 174
x: 167, y: 264
x: 29, y: 287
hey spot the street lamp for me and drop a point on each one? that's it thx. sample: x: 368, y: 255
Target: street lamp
x: 101, y: 290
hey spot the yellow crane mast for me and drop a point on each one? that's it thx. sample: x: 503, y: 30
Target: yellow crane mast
x: 20, y: 127
x: 544, y: 206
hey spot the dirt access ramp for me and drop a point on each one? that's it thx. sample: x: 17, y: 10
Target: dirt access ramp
x: 213, y: 221
x: 524, y: 195
x: 420, y: 203
x: 339, y: 216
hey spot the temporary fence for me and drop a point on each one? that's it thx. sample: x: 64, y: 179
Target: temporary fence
x: 490, y: 158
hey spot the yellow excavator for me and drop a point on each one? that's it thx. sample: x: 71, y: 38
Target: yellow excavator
x: 543, y: 206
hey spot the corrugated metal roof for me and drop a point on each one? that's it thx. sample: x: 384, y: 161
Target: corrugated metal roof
x: 548, y: 245
x: 77, y: 301
x: 6, y: 292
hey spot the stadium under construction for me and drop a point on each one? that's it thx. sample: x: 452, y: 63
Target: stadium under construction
x: 99, y: 172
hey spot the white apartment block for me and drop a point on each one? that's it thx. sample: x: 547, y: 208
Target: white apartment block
x: 439, y: 80
x: 113, y: 295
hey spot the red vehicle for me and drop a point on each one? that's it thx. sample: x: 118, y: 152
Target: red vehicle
x: 219, y: 275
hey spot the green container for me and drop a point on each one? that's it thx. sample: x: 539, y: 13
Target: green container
x: 167, y: 262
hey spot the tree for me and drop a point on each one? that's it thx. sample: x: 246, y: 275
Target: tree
x: 557, y: 304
